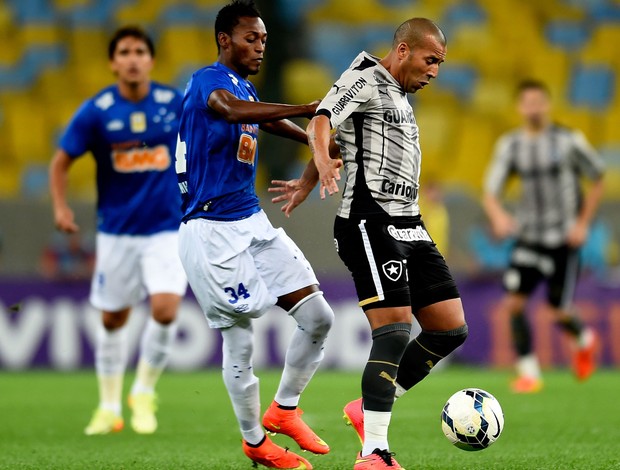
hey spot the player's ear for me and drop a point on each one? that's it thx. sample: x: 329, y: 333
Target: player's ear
x: 402, y: 50
x: 223, y: 40
x: 113, y: 67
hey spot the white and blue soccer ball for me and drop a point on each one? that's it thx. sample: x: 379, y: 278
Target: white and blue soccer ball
x: 472, y: 419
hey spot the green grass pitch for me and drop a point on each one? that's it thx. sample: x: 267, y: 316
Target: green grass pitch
x: 566, y: 426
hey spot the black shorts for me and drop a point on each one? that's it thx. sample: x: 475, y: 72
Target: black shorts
x: 530, y: 264
x: 394, y: 263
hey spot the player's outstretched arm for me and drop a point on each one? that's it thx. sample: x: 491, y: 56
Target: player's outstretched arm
x: 287, y: 129
x: 58, y: 179
x: 319, y: 135
x: 234, y: 110
x: 295, y: 191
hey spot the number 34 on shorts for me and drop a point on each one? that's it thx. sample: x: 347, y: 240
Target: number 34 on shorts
x: 235, y: 295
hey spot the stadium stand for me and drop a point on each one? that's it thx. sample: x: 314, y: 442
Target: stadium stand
x: 52, y: 56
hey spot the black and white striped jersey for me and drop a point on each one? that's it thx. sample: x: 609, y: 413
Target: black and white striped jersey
x: 379, y: 141
x: 549, y: 165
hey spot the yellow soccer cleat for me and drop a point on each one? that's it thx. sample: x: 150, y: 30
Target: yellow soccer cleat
x: 104, y: 422
x: 143, y: 407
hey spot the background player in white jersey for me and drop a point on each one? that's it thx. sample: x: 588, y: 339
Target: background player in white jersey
x: 552, y: 222
x: 379, y: 234
x: 130, y: 128
x: 237, y: 263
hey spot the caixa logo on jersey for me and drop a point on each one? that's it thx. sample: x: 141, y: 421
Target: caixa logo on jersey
x: 139, y: 159
x: 399, y: 188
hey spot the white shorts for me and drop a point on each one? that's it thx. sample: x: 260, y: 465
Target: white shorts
x: 238, y: 269
x: 130, y: 267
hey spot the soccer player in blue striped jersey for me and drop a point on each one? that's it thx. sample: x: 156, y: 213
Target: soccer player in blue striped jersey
x: 237, y: 263
x: 130, y: 128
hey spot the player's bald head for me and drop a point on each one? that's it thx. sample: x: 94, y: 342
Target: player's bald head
x: 415, y: 30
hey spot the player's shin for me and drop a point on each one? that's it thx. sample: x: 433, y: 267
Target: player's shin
x: 388, y: 344
x: 241, y: 383
x: 424, y: 352
x: 110, y: 362
x: 521, y: 335
x: 305, y: 352
x: 155, y: 348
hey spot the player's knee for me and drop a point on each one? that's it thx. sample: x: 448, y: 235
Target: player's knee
x: 314, y: 315
x: 114, y: 321
x: 442, y: 343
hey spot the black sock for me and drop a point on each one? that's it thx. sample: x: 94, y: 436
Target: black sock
x: 521, y: 336
x: 282, y: 407
x: 378, y: 387
x: 256, y: 445
x: 425, y: 351
x: 572, y: 325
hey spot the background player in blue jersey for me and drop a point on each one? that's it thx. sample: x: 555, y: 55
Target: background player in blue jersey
x: 237, y: 263
x: 130, y: 128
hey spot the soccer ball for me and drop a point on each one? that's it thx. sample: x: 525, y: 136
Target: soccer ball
x: 472, y: 419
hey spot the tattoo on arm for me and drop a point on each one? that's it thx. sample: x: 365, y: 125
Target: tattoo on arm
x: 311, y: 140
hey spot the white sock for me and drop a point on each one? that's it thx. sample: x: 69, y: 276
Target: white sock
x: 585, y: 338
x: 400, y: 391
x: 110, y: 361
x: 241, y: 383
x: 155, y: 348
x: 110, y: 391
x: 305, y: 351
x: 376, y: 424
x: 528, y: 366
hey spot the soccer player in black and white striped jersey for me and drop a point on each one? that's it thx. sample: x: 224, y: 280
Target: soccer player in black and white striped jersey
x: 552, y: 221
x: 396, y: 267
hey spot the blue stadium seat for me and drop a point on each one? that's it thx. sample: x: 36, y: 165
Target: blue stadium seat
x: 460, y: 79
x: 34, y: 61
x: 464, y: 12
x: 187, y: 14
x: 96, y: 14
x: 293, y: 11
x: 35, y: 181
x: 397, y: 3
x: 592, y: 85
x: 605, y: 11
x: 335, y: 45
x: 374, y: 35
x: 567, y: 34
x: 32, y: 11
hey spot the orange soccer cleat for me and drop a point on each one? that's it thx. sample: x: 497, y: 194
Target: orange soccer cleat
x: 379, y: 459
x: 354, y: 416
x: 272, y: 455
x: 289, y: 422
x: 525, y: 384
x: 584, y: 360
